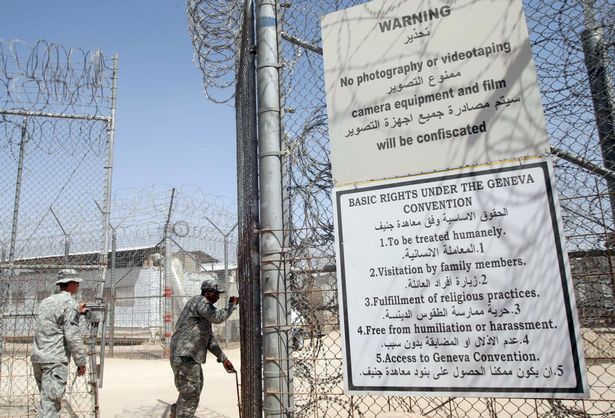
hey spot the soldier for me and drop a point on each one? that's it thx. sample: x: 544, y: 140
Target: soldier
x: 192, y: 339
x: 56, y: 338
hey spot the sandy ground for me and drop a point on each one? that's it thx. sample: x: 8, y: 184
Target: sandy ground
x: 144, y: 388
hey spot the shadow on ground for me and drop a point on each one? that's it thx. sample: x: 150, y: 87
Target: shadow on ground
x: 162, y: 409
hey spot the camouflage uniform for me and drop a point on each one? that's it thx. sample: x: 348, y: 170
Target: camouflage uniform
x: 56, y: 338
x: 192, y: 339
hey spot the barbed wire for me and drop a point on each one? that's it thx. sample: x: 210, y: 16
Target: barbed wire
x: 55, y: 110
x: 139, y: 217
x: 138, y: 220
x: 55, y: 129
x: 190, y: 202
x: 214, y: 27
x: 47, y: 77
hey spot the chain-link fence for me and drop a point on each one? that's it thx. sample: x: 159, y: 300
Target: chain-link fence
x: 56, y: 139
x: 573, y: 44
x: 164, y: 242
x: 247, y: 198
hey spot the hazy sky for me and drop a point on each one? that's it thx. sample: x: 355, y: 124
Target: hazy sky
x: 167, y: 132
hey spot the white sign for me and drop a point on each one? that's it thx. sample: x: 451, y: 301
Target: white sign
x: 458, y: 283
x: 421, y: 86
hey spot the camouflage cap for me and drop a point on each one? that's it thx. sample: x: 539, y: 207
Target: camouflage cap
x: 67, y: 276
x: 211, y: 284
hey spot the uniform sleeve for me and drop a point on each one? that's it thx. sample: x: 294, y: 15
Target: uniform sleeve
x: 215, y: 349
x: 72, y: 335
x: 213, y: 315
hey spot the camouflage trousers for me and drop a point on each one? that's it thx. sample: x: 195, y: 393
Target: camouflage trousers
x: 189, y: 383
x: 51, y: 381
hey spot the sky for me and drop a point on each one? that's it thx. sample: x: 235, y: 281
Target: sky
x: 167, y: 131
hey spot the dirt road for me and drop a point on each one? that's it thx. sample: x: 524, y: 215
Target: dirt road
x: 144, y: 388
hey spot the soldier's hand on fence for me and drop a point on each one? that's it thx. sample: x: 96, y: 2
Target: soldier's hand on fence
x: 228, y: 366
x: 80, y: 370
x: 82, y: 307
x: 234, y: 300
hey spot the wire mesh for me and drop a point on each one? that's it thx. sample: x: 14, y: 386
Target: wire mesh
x: 248, y: 209
x: 164, y: 242
x: 573, y: 45
x: 55, y: 129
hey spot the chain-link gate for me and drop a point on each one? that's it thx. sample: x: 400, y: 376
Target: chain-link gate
x: 140, y: 264
x: 56, y: 141
x: 573, y: 43
x: 164, y: 243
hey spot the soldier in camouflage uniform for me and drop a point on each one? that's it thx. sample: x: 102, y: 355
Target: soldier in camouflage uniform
x: 192, y: 339
x: 56, y: 338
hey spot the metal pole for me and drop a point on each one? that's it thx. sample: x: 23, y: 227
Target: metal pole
x: 94, y: 378
x: 4, y: 285
x: 276, y: 379
x: 112, y: 292
x: 601, y: 90
x: 584, y: 163
x: 238, y: 396
x: 66, y: 236
x: 249, y: 216
x: 227, y: 327
x: 18, y: 183
x: 103, y: 333
x: 168, y: 290
x: 66, y: 249
x: 168, y: 293
x: 108, y: 185
x: 34, y: 114
x: 226, y: 262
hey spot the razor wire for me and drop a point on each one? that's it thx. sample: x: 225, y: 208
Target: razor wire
x: 56, y: 130
x: 582, y: 177
x: 214, y: 28
x: 139, y: 217
x: 49, y: 78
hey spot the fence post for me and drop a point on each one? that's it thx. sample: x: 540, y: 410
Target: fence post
x: 108, y: 183
x: 4, y: 284
x: 248, y: 265
x: 18, y: 183
x: 600, y: 87
x: 276, y: 371
x: 112, y: 292
x: 168, y: 290
x: 66, y: 236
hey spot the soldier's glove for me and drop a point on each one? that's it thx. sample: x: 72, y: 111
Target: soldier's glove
x: 228, y: 366
x: 80, y: 370
x: 83, y: 308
